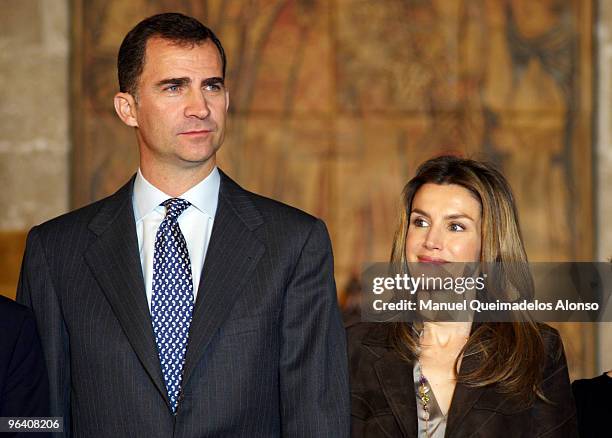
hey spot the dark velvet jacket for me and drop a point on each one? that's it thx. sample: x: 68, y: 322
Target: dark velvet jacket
x: 383, y: 401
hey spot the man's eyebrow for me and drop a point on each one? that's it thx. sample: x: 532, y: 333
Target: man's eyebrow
x: 186, y: 81
x: 213, y: 81
x: 173, y: 81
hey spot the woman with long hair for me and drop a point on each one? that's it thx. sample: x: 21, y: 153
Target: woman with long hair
x: 478, y: 379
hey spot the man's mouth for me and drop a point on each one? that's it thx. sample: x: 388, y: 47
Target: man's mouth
x: 196, y: 132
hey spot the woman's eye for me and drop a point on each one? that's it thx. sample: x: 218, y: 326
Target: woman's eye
x: 420, y: 222
x: 456, y: 227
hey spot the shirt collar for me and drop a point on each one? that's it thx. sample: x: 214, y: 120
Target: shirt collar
x: 204, y: 196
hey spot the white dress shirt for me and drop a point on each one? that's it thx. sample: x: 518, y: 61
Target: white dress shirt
x: 196, y: 223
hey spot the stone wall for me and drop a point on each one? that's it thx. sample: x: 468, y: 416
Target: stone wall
x: 603, y: 161
x: 34, y: 123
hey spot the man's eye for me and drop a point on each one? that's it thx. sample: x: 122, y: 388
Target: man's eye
x: 172, y: 88
x: 212, y: 87
x: 456, y: 227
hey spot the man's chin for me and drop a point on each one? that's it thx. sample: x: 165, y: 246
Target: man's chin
x: 197, y: 161
x: 198, y: 155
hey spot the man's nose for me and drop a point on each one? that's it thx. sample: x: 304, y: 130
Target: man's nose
x: 197, y: 106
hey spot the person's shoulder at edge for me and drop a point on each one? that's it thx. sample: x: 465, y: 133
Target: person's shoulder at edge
x: 17, y: 325
x: 12, y: 314
x: 583, y: 387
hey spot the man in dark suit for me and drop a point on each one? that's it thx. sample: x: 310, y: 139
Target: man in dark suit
x: 24, y: 387
x: 183, y: 305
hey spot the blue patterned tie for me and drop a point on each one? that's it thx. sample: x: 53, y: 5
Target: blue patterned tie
x: 172, y: 297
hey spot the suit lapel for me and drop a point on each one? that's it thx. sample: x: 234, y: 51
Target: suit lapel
x: 232, y: 255
x: 114, y: 261
x: 396, y: 380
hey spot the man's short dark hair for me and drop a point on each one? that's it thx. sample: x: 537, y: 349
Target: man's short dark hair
x: 170, y: 26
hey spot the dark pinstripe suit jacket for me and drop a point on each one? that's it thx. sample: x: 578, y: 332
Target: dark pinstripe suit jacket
x: 266, y: 354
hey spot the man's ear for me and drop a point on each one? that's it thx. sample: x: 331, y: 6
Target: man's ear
x: 125, y: 106
x: 226, y: 100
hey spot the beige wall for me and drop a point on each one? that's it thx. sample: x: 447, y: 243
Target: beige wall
x: 603, y: 162
x: 34, y: 141
x: 34, y: 123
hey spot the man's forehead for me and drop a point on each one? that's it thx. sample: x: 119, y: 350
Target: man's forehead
x: 160, y: 41
x: 160, y: 49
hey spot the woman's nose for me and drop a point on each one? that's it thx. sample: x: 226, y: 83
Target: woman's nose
x: 433, y: 239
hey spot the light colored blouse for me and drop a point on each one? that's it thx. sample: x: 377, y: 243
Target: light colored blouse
x: 432, y: 422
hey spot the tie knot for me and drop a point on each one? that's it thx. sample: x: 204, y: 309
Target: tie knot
x: 175, y: 207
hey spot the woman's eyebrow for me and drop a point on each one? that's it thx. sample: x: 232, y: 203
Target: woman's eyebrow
x: 419, y: 211
x: 459, y: 216
x: 447, y: 217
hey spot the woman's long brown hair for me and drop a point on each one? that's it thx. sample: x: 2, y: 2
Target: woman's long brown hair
x: 511, y: 354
